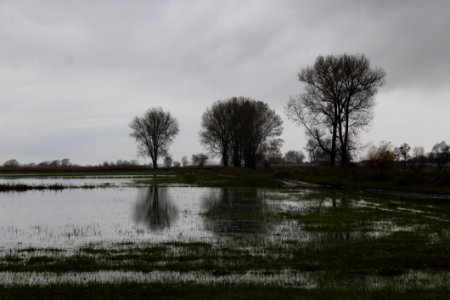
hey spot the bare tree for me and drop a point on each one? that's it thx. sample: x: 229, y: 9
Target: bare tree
x: 259, y: 124
x: 11, y: 163
x: 270, y: 152
x: 418, y: 152
x: 316, y: 152
x: 65, y: 162
x: 237, y: 128
x: 199, y: 159
x: 184, y: 161
x: 381, y: 156
x: 294, y: 157
x: 154, y: 132
x: 440, y: 153
x: 217, y: 129
x: 402, y: 153
x: 337, y: 102
x: 168, y: 161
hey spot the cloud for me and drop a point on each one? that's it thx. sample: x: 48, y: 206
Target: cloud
x: 76, y: 66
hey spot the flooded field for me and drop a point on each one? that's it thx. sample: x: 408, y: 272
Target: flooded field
x: 126, y: 231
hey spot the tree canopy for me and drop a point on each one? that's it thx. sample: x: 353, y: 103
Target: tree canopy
x: 237, y: 128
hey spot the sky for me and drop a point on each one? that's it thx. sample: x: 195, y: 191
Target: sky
x: 73, y: 74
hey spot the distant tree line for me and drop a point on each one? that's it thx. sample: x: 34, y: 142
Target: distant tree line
x: 336, y: 104
x: 386, y: 155
x: 63, y: 163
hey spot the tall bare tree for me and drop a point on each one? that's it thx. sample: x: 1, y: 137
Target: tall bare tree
x: 154, y: 132
x: 337, y: 102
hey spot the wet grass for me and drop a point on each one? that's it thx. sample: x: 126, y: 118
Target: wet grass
x: 347, y: 240
x: 8, y: 187
x: 194, y: 291
x: 412, y: 179
x: 376, y: 239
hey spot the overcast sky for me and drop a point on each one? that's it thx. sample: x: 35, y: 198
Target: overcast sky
x: 73, y: 74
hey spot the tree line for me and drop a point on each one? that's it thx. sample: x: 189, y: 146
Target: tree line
x: 336, y: 104
x: 385, y: 155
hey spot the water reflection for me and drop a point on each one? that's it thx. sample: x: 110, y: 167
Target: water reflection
x: 233, y: 211
x: 154, y: 208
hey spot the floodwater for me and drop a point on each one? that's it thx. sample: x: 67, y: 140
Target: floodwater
x: 123, y: 211
x: 123, y: 214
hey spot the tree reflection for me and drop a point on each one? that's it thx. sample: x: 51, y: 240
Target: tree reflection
x: 230, y: 212
x: 154, y: 208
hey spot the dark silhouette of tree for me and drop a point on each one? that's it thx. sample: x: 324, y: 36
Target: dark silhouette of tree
x: 11, y: 163
x: 316, y: 152
x: 337, y: 102
x: 237, y: 128
x: 259, y: 123
x: 154, y: 132
x: 217, y: 129
x: 418, y: 155
x: 184, y: 161
x: 65, y: 162
x: 402, y: 154
x: 270, y: 152
x: 381, y: 156
x: 440, y: 153
x: 294, y: 157
x: 199, y: 160
x: 168, y: 161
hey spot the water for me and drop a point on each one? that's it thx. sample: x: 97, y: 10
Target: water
x: 75, y: 217
x: 155, y: 227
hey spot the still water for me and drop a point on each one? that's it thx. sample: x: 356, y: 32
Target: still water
x: 123, y: 214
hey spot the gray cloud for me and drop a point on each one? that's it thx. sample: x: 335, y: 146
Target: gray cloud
x: 74, y: 73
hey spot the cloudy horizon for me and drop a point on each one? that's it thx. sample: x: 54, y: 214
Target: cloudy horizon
x: 73, y: 74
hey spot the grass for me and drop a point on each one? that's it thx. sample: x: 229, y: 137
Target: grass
x: 420, y: 180
x: 40, y: 187
x: 197, y: 292
x: 344, y: 238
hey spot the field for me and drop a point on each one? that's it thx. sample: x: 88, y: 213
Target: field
x: 225, y: 234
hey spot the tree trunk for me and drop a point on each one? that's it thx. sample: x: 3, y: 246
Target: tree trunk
x: 333, y: 147
x: 225, y: 155
x: 236, y: 156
